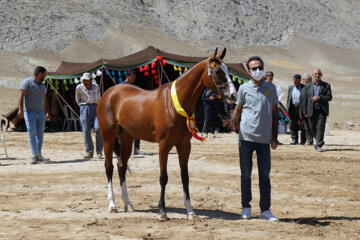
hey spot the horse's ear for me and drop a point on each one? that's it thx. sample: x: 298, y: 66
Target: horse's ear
x: 222, y: 55
x: 213, y: 55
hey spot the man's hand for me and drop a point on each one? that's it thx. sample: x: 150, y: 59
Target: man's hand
x: 212, y: 98
x: 236, y: 117
x: 274, y: 143
x: 20, y: 114
x: 315, y: 98
x: 48, y: 117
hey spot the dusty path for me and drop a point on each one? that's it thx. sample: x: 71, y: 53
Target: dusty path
x: 316, y: 195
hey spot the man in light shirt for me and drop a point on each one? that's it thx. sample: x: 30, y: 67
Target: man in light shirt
x: 293, y: 108
x: 87, y: 96
x: 256, y: 116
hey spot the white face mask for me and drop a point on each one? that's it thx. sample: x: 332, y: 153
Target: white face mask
x: 257, y: 75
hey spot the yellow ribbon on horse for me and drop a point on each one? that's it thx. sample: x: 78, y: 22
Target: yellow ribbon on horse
x: 190, y: 121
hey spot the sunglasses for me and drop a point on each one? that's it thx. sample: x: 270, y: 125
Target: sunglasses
x: 255, y: 68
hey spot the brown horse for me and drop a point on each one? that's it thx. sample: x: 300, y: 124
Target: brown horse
x: 127, y: 112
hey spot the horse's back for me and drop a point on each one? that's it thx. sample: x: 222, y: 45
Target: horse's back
x: 134, y: 109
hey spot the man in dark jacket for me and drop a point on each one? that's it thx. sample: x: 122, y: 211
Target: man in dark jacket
x: 305, y: 125
x: 293, y: 108
x: 210, y: 99
x: 317, y: 96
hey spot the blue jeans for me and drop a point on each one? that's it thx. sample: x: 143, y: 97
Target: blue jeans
x: 88, y: 120
x: 246, y: 150
x: 35, y: 124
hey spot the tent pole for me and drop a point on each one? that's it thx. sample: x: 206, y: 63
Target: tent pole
x: 102, y: 81
x: 158, y: 70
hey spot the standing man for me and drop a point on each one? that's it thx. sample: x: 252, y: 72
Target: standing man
x: 317, y: 96
x: 130, y: 79
x: 33, y: 106
x: 293, y: 108
x: 209, y: 98
x: 87, y: 96
x: 257, y: 116
x: 269, y: 76
x: 305, y: 125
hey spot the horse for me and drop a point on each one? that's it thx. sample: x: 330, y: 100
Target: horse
x: 127, y: 112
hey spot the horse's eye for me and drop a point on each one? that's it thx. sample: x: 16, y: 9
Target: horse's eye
x: 217, y: 70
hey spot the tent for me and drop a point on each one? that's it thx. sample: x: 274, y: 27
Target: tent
x: 155, y: 67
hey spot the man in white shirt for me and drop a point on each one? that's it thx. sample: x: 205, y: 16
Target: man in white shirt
x: 293, y: 108
x: 87, y: 96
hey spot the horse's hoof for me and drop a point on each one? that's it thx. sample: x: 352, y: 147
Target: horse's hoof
x: 129, y: 208
x: 163, y: 217
x: 113, y: 210
x: 193, y: 216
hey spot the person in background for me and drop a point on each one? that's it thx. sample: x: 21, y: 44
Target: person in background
x: 269, y: 76
x: 87, y: 96
x: 33, y: 106
x: 317, y: 96
x: 130, y: 79
x: 305, y: 125
x: 256, y: 116
x: 210, y: 99
x: 293, y: 108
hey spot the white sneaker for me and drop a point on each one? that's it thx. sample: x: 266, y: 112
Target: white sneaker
x: 213, y: 136
x: 100, y: 155
x: 205, y: 135
x: 246, y: 213
x: 267, y: 215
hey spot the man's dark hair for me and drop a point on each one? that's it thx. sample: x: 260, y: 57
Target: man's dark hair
x: 131, y: 71
x: 254, y: 58
x: 39, y: 69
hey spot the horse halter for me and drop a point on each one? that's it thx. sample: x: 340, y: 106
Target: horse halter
x: 213, y: 74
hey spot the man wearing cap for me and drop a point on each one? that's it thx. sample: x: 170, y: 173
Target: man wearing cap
x: 317, y: 96
x: 33, y: 106
x: 87, y: 96
x: 269, y: 76
x: 293, y: 108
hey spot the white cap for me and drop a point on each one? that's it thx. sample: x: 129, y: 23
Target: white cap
x: 86, y: 76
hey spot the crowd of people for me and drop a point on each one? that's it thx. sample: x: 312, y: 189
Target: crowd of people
x: 308, y: 106
x: 255, y: 117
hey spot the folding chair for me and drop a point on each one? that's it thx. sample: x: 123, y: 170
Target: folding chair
x: 70, y: 119
x: 3, y: 126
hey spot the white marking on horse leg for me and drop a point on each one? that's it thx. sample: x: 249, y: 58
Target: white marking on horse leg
x: 111, y: 198
x: 190, y: 212
x: 125, y: 198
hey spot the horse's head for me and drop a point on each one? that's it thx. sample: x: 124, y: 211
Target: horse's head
x: 218, y: 78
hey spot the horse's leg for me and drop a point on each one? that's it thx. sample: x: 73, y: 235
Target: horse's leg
x: 164, y: 150
x: 108, y: 140
x: 183, y: 150
x: 126, y: 142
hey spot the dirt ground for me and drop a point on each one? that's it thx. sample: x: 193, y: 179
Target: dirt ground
x: 315, y: 195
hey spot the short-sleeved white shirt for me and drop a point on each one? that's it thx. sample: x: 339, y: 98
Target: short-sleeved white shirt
x: 256, y: 116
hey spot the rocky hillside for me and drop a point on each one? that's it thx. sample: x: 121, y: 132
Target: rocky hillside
x: 27, y: 25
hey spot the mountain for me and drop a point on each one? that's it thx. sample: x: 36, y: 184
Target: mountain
x: 292, y: 36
